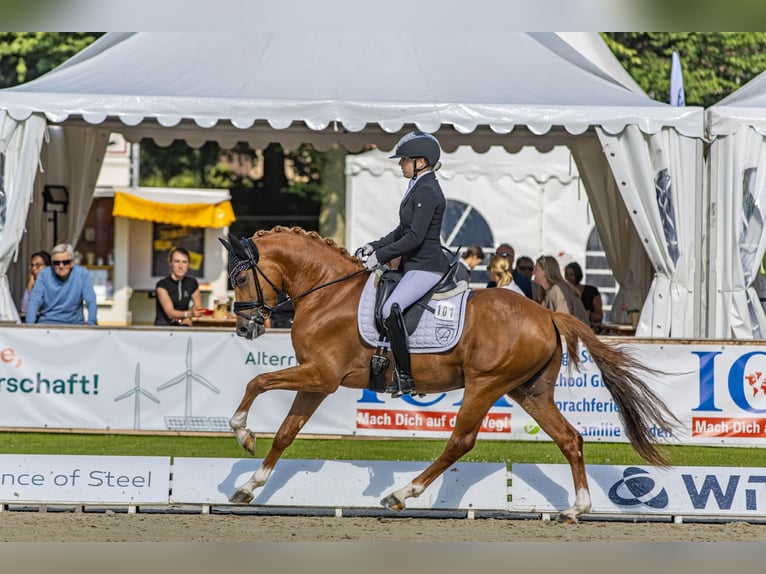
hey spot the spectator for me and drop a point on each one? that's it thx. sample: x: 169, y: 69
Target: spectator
x: 60, y: 290
x: 557, y: 294
x: 525, y: 266
x: 178, y: 298
x: 471, y: 257
x: 500, y: 273
x: 38, y: 261
x: 589, y: 294
x: 524, y: 282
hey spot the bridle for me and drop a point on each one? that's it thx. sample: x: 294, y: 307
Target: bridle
x: 244, y: 257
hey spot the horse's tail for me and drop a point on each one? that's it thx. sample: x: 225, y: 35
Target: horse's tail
x: 639, y: 406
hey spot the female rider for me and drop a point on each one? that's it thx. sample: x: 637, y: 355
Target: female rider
x: 416, y: 240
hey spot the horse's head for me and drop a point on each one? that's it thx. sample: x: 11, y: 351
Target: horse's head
x: 252, y: 287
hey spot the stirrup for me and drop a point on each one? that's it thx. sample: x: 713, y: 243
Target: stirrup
x: 395, y: 388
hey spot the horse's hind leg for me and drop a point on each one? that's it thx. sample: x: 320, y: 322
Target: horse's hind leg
x: 462, y: 440
x: 304, y: 405
x: 537, y: 399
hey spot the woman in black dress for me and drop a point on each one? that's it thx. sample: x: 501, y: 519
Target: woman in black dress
x: 589, y: 294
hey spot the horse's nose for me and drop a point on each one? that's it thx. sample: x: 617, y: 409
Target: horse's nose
x: 244, y: 332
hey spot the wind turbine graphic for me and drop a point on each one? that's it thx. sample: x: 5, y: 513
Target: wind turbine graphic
x: 136, y: 391
x: 188, y: 375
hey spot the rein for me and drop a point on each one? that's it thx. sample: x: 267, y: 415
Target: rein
x: 261, y: 305
x: 318, y: 287
x: 264, y: 310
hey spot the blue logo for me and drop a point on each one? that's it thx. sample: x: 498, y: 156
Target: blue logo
x: 641, y: 489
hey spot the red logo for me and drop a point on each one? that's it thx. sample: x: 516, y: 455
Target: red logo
x: 757, y: 381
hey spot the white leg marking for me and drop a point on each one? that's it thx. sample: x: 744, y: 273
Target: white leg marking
x: 262, y: 475
x: 582, y: 501
x: 258, y: 479
x: 238, y: 421
x: 409, y: 491
x: 581, y: 505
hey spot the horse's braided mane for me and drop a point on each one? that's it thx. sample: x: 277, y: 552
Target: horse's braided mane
x: 312, y: 234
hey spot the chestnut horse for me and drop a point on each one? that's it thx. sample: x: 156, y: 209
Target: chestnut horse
x: 510, y: 346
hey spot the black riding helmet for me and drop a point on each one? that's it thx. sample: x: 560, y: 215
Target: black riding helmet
x: 418, y: 144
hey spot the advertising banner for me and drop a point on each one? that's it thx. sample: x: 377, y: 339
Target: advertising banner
x: 84, y: 479
x: 678, y: 490
x: 340, y: 483
x: 194, y: 379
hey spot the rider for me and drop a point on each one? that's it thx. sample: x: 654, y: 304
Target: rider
x: 416, y: 240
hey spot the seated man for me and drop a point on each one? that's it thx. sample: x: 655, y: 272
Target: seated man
x: 60, y: 291
x: 525, y: 266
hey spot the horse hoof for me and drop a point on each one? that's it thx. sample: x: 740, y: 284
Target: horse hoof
x: 246, y: 439
x: 241, y: 497
x: 249, y: 444
x: 564, y: 518
x: 392, y: 503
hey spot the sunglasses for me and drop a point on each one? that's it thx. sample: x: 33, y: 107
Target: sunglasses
x: 62, y: 262
x: 526, y: 268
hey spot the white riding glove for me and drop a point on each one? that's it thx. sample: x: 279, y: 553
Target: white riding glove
x: 364, y: 251
x: 371, y: 263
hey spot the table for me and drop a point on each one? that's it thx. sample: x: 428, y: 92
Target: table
x: 618, y: 329
x: 210, y: 321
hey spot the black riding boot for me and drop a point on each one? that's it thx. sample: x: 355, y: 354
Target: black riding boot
x: 402, y: 383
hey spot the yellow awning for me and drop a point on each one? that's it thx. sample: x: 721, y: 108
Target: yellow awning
x: 175, y: 212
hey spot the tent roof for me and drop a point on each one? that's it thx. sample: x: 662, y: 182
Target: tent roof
x: 340, y: 82
x: 492, y: 165
x: 745, y: 106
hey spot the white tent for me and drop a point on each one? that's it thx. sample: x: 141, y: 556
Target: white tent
x: 530, y: 199
x: 640, y: 160
x: 737, y: 128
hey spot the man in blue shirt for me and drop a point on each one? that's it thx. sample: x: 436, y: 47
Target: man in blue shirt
x: 60, y: 290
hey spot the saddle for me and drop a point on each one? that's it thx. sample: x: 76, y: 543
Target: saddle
x: 387, y: 282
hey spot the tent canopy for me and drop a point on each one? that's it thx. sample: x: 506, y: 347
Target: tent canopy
x: 640, y: 160
x: 381, y: 80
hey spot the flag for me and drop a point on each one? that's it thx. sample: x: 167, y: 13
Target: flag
x: 676, y: 82
x: 664, y: 191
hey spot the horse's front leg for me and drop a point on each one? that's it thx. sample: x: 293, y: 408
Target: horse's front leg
x: 287, y: 379
x: 238, y: 421
x: 462, y: 440
x: 304, y: 405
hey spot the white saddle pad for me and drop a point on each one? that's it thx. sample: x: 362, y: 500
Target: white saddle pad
x: 436, y: 332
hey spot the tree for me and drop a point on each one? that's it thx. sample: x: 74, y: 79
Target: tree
x: 715, y: 64
x: 25, y: 56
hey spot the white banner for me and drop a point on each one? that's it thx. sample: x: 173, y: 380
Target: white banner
x: 84, y: 479
x: 683, y: 490
x: 193, y: 380
x: 141, y: 480
x: 340, y: 483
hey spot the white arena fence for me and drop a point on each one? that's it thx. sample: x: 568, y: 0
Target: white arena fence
x: 345, y: 486
x: 133, y: 379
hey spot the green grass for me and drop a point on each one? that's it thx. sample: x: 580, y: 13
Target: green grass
x: 361, y: 449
